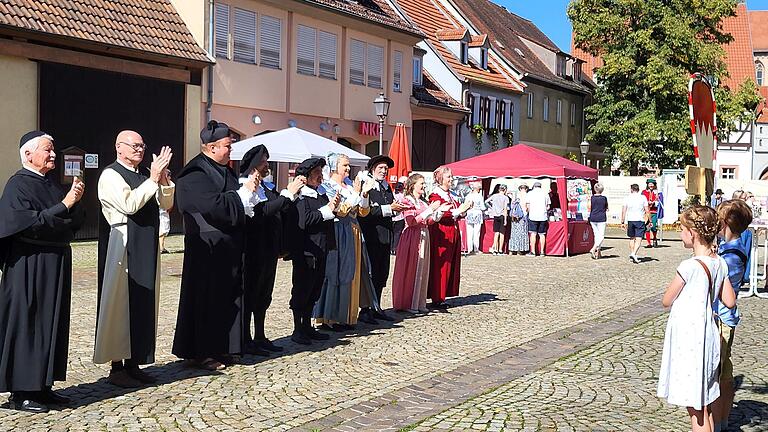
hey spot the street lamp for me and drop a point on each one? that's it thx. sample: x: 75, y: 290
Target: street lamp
x: 584, y: 147
x: 381, y: 103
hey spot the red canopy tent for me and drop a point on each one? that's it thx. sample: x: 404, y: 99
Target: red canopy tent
x: 524, y: 161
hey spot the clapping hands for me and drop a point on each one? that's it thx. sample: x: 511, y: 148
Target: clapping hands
x: 75, y: 193
x: 295, y: 186
x: 159, y: 166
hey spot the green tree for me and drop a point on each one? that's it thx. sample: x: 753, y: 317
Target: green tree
x: 650, y: 48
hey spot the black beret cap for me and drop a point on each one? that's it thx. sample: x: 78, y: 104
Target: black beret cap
x: 213, y: 132
x: 376, y: 160
x: 252, y: 158
x: 30, y: 136
x: 308, y: 165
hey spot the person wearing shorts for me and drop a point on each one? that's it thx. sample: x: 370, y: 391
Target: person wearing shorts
x: 634, y: 216
x: 498, y: 209
x: 537, y: 205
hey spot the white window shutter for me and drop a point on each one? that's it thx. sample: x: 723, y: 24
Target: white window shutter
x: 221, y: 17
x: 375, y: 66
x: 357, y: 62
x: 270, y: 41
x: 476, y: 101
x: 492, y: 112
x: 327, y: 54
x: 305, y: 50
x: 244, y: 36
x: 398, y: 68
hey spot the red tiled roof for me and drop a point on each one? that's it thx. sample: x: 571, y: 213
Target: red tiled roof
x: 758, y: 24
x: 150, y: 26
x: 506, y: 32
x: 377, y: 11
x: 738, y: 53
x: 762, y: 116
x: 451, y: 34
x: 478, y: 40
x: 431, y: 94
x: 430, y: 17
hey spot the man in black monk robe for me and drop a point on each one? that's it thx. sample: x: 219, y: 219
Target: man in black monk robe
x: 209, y: 326
x: 262, y: 247
x: 129, y: 262
x: 378, y: 231
x: 312, y: 236
x: 38, y: 220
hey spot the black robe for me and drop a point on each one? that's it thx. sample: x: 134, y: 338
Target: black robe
x: 35, y: 231
x: 263, y: 247
x: 379, y: 234
x: 311, y: 237
x: 210, y: 318
x: 142, y: 246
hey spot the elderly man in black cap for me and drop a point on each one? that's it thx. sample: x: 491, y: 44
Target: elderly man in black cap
x: 313, y: 237
x: 209, y: 327
x: 378, y: 230
x: 38, y: 219
x: 262, y: 247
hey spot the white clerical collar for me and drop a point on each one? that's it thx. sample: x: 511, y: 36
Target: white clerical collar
x: 307, y: 191
x: 128, y: 167
x: 33, y: 170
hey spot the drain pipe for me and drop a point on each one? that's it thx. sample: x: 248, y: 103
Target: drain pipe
x: 211, y: 45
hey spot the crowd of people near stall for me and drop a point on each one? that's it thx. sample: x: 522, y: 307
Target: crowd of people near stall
x: 337, y: 232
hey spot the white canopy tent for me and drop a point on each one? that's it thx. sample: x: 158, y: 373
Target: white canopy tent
x: 296, y: 145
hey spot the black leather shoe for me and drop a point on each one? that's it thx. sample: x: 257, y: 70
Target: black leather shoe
x: 51, y: 397
x: 300, y: 338
x: 27, y: 405
x: 141, y: 376
x: 316, y: 335
x: 269, y: 346
x: 382, y: 316
x: 433, y: 306
x: 253, y: 348
x: 367, y: 317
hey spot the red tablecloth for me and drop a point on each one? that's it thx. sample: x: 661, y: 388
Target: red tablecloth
x: 580, y: 239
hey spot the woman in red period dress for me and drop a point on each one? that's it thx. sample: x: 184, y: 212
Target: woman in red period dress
x: 445, y: 238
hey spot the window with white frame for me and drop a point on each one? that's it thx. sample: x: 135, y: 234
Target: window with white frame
x: 573, y: 114
x: 397, y: 66
x: 375, y: 66
x: 270, y: 45
x: 306, y: 44
x: 417, y: 72
x: 759, y: 73
x: 326, y: 54
x: 244, y: 36
x: 357, y: 62
x: 728, y: 173
x: 221, y: 28
x: 559, y: 113
x: 530, y: 104
x: 546, y: 109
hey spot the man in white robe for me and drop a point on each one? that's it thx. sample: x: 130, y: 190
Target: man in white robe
x: 129, y: 259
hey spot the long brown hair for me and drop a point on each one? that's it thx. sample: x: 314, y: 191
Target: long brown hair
x: 412, y: 179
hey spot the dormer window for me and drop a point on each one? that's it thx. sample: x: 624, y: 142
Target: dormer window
x: 464, y: 56
x: 577, y: 71
x: 560, y: 66
x: 478, y: 50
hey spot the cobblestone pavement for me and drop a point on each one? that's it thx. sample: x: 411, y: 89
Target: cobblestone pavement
x: 518, y: 310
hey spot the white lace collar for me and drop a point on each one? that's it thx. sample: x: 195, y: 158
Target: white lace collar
x: 445, y: 195
x: 307, y: 191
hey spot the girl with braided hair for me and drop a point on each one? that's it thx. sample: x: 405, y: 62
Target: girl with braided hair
x: 689, y: 366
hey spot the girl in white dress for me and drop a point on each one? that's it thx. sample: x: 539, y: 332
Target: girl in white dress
x: 689, y: 365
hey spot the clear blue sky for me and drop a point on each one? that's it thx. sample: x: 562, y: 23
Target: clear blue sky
x: 550, y: 17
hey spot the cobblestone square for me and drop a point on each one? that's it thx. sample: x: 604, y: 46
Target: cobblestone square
x: 547, y: 343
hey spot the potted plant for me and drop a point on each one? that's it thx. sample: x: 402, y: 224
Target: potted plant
x: 494, y: 134
x: 509, y: 136
x: 478, y: 131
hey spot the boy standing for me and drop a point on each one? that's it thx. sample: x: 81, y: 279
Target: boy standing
x: 736, y: 217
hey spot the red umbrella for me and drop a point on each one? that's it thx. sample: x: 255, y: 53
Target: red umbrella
x: 400, y: 152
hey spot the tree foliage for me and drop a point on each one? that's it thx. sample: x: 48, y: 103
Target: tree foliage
x: 649, y: 49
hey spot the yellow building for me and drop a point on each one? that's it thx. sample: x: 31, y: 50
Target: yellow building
x: 316, y: 65
x: 82, y: 71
